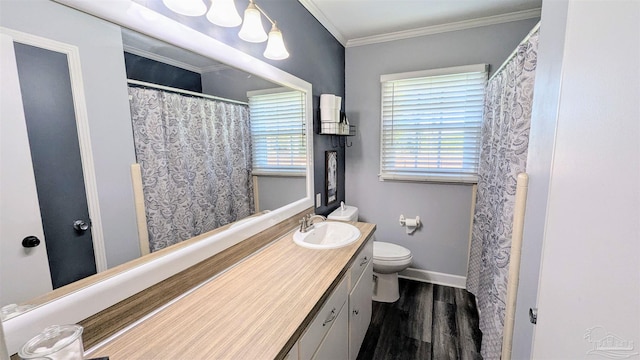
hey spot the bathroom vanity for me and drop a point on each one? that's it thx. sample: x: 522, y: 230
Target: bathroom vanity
x: 339, y: 327
x: 284, y: 301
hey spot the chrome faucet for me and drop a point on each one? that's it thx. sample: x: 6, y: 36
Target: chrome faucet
x: 306, y: 223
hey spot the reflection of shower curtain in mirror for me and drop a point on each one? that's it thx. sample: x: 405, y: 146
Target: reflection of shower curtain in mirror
x: 195, y: 156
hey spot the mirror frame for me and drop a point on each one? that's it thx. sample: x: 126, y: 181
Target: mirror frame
x: 87, y: 301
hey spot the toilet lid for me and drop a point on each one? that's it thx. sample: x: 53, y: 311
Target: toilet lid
x: 388, y: 251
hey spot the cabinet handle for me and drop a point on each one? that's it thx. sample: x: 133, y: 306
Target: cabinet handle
x: 331, y: 317
x: 356, y: 312
x: 364, y: 261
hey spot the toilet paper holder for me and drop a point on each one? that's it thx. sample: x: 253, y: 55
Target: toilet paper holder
x: 411, y: 224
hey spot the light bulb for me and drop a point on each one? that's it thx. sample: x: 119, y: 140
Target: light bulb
x: 252, y: 29
x: 224, y: 13
x: 275, y: 46
x: 186, y: 7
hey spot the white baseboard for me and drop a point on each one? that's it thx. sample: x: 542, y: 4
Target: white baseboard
x: 434, y: 277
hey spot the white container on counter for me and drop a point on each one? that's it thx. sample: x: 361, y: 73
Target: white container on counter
x: 57, y: 342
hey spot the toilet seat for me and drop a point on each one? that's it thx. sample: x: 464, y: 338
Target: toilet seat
x: 388, y: 251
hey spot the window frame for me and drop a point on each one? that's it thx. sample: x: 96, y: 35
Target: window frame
x: 426, y: 175
x: 301, y: 172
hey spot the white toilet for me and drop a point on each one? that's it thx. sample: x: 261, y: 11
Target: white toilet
x: 388, y: 259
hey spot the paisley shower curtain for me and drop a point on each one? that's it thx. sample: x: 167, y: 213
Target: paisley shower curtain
x: 195, y: 157
x: 504, y: 144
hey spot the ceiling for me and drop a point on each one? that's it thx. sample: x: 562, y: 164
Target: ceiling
x: 377, y: 21
x: 361, y: 22
x: 150, y: 48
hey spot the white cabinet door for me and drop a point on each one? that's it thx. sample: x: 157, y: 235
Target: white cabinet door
x: 335, y: 345
x: 360, y: 304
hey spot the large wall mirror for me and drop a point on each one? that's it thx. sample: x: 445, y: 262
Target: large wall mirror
x: 147, y: 38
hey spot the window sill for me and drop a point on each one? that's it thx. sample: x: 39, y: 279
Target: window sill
x: 441, y: 179
x: 278, y: 174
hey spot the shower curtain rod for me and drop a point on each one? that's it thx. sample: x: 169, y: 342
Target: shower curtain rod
x: 180, y: 91
x: 515, y: 51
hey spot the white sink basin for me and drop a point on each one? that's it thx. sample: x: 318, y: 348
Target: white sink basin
x: 327, y: 235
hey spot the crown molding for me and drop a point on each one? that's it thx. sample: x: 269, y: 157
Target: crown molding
x: 217, y: 67
x: 324, y: 21
x: 162, y: 59
x: 437, y: 29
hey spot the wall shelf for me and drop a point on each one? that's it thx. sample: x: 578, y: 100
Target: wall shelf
x: 340, y: 129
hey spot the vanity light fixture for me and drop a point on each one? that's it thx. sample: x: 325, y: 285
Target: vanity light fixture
x: 252, y: 29
x: 186, y: 7
x: 224, y: 13
x: 275, y: 46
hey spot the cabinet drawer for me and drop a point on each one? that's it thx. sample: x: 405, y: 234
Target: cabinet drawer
x: 335, y: 345
x: 362, y: 260
x: 323, y: 321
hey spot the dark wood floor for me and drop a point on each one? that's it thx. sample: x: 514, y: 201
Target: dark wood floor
x: 427, y: 322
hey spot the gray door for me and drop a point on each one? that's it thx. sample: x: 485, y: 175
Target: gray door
x: 53, y: 139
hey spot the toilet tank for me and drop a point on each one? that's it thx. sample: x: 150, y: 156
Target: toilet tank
x: 344, y: 213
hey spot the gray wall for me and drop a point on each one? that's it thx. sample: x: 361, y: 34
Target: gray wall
x: 276, y: 191
x: 103, y: 71
x: 441, y: 245
x: 233, y: 84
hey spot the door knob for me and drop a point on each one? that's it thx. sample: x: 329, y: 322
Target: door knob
x: 80, y: 225
x: 30, y: 241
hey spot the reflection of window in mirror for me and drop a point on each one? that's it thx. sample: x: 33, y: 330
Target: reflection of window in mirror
x: 277, y: 119
x: 278, y: 132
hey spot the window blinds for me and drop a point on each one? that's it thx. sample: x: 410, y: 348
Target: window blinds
x: 431, y: 123
x: 278, y: 133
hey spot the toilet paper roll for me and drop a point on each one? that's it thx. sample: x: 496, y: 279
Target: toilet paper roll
x: 328, y: 114
x: 411, y: 222
x: 327, y: 100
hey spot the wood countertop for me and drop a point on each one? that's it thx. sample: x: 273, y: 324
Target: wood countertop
x: 256, y: 310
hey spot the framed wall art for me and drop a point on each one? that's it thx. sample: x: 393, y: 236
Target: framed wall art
x: 332, y: 176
